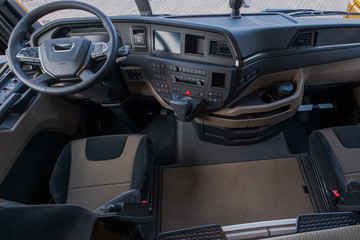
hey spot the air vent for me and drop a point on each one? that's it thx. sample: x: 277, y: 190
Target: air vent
x: 303, y: 39
x: 221, y: 49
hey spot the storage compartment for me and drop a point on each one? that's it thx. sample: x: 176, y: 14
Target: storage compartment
x: 194, y: 44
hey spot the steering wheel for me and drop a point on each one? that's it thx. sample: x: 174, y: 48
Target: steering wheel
x: 61, y: 59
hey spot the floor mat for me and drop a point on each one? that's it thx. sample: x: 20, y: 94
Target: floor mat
x: 233, y: 193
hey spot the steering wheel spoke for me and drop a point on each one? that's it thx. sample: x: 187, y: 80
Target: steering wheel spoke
x: 44, y: 80
x: 100, y: 51
x: 29, y: 55
x: 86, y: 75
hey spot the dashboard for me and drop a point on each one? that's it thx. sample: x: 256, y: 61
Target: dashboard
x: 229, y: 69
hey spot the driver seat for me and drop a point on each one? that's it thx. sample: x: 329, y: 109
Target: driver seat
x: 92, y: 171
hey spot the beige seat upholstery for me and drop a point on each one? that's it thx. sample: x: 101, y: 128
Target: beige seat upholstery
x: 92, y: 171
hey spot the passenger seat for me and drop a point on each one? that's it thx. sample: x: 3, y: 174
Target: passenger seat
x: 335, y: 153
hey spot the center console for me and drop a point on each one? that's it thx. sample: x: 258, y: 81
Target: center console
x: 193, y: 71
x: 178, y: 79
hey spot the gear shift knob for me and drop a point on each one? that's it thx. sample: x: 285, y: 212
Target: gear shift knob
x: 181, y: 107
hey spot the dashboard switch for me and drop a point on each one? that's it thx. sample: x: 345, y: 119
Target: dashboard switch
x: 139, y: 37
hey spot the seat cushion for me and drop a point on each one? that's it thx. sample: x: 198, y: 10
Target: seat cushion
x: 336, y: 154
x: 92, y: 171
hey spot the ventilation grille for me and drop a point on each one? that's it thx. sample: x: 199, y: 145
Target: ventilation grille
x: 303, y: 39
x: 221, y: 49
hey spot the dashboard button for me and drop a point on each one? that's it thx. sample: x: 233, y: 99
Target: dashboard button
x: 199, y: 83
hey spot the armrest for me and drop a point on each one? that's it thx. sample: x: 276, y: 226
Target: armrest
x: 125, y: 208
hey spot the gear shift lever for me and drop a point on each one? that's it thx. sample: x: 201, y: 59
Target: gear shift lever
x: 181, y: 107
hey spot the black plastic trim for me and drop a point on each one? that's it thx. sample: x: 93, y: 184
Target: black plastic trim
x: 236, y: 136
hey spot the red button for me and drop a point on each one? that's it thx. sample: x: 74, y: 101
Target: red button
x: 336, y: 193
x: 187, y: 92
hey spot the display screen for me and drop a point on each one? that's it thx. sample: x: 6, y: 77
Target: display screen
x: 167, y: 41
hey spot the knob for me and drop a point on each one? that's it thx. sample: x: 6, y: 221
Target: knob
x: 199, y: 83
x: 284, y: 89
x: 115, y: 207
x: 14, y: 81
x: 176, y: 69
x: 174, y: 79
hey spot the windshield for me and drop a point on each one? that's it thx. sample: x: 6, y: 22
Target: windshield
x: 185, y: 7
x: 222, y: 6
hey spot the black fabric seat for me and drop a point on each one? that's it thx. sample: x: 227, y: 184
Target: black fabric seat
x: 336, y: 156
x: 90, y: 172
x: 98, y: 171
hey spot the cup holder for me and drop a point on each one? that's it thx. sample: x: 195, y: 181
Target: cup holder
x: 283, y: 90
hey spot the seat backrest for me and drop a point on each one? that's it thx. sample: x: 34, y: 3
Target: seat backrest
x: 90, y: 172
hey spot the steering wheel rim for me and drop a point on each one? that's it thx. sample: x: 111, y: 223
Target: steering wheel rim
x: 87, y: 76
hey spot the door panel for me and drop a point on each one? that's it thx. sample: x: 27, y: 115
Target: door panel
x: 47, y: 113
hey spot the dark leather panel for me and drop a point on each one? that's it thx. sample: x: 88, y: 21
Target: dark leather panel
x: 141, y: 164
x: 349, y: 136
x: 59, y: 181
x: 326, y: 161
x: 56, y: 222
x: 105, y: 147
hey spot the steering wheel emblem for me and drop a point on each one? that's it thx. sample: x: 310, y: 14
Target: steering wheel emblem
x: 62, y: 47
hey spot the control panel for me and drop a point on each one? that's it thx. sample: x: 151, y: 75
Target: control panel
x: 188, y: 76
x: 176, y: 79
x: 8, y: 83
